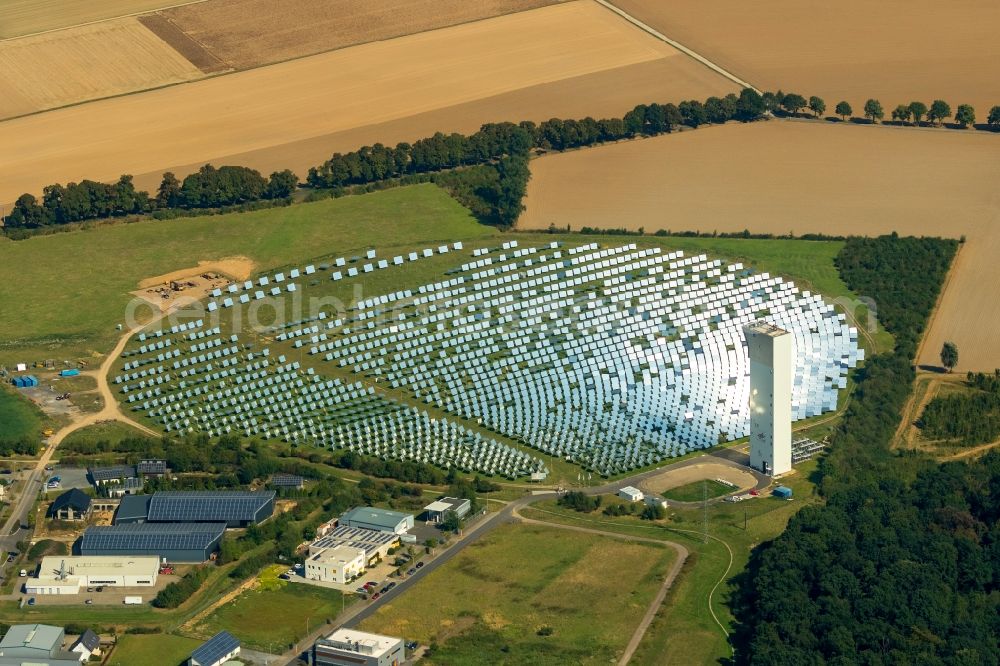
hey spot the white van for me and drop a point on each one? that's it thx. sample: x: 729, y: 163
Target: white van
x: 133, y: 601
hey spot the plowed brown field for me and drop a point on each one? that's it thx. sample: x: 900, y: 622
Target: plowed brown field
x: 249, y: 33
x: 87, y: 62
x: 896, y: 50
x: 801, y: 177
x: 535, y: 64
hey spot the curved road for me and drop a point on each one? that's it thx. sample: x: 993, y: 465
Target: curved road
x: 33, y: 484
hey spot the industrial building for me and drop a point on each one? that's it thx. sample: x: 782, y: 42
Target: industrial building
x: 382, y: 520
x: 235, y: 508
x: 70, y: 575
x: 350, y: 647
x: 71, y: 505
x: 101, y: 476
x: 436, y: 510
x: 174, y: 542
x: 374, y: 543
x: 771, y: 371
x: 36, y: 645
x: 216, y: 651
x: 630, y: 494
x: 338, y: 564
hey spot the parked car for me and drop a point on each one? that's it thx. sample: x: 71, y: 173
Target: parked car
x: 31, y: 601
x: 24, y: 573
x: 362, y: 590
x: 375, y: 596
x: 392, y: 585
x: 412, y: 645
x: 285, y: 576
x: 420, y: 564
x: 412, y: 571
x: 89, y: 601
x: 100, y: 588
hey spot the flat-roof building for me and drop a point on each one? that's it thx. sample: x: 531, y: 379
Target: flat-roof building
x: 70, y: 574
x: 376, y: 544
x: 350, y: 647
x: 382, y: 520
x: 631, y: 494
x: 151, y: 467
x: 293, y: 481
x: 174, y: 542
x: 437, y: 510
x: 338, y: 564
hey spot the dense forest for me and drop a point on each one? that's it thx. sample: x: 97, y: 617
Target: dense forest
x: 967, y: 418
x: 902, y: 562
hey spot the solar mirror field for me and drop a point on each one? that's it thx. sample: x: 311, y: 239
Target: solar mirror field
x: 608, y: 355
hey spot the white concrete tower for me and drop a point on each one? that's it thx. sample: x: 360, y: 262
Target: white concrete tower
x: 770, y: 397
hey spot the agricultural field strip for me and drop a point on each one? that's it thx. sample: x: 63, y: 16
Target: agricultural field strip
x: 90, y: 62
x: 27, y: 18
x: 358, y: 86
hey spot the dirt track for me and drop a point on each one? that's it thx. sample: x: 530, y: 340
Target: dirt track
x: 802, y: 177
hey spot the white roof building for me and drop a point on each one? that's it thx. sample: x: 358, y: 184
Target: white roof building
x: 349, y: 646
x: 338, y: 564
x: 69, y: 575
x: 631, y: 494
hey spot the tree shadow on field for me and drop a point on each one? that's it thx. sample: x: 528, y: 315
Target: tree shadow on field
x: 933, y: 368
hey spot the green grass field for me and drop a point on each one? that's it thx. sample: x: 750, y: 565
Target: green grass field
x: 161, y: 649
x: 62, y: 295
x: 697, y: 491
x: 684, y: 632
x: 272, y: 619
x: 18, y: 416
x: 112, y: 431
x: 488, y: 604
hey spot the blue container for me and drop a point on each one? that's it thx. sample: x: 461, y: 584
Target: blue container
x: 783, y: 492
x: 69, y: 373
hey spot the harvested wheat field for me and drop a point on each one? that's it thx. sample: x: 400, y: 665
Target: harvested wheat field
x: 88, y: 62
x: 264, y: 109
x: 801, y: 177
x: 27, y: 17
x: 896, y: 51
x: 249, y: 33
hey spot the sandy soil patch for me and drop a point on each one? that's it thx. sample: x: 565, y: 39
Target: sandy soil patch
x: 89, y: 62
x: 896, y: 51
x: 802, y: 177
x: 710, y: 470
x: 186, y: 285
x: 249, y: 33
x: 26, y: 17
x: 334, y: 92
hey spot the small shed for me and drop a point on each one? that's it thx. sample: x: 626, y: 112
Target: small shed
x: 631, y: 494
x: 783, y: 492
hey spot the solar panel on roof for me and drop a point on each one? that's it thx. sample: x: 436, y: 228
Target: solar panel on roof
x: 215, y: 649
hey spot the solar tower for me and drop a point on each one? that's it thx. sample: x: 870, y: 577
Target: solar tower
x: 770, y: 397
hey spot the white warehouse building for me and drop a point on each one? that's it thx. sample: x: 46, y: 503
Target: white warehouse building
x: 338, y: 564
x: 70, y: 575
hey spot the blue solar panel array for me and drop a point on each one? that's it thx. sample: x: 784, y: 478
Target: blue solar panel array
x: 214, y: 649
x: 209, y: 506
x: 151, y: 537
